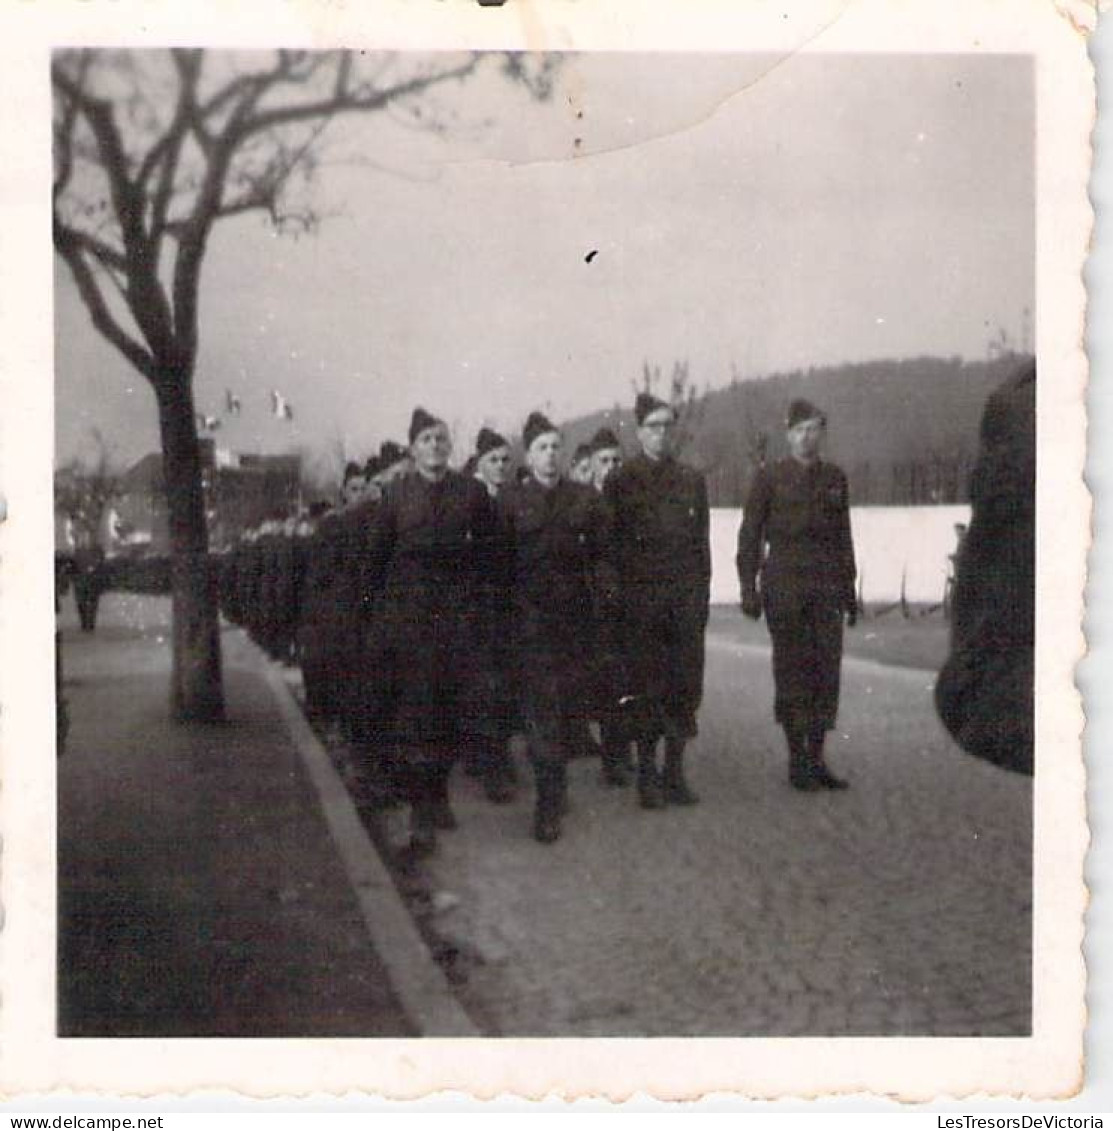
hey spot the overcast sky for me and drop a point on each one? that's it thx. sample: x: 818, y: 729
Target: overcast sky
x: 747, y: 214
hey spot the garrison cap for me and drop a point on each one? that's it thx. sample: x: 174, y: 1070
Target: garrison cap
x: 390, y: 453
x: 647, y: 403
x: 800, y: 410
x: 537, y: 424
x: 604, y: 439
x: 488, y: 440
x: 420, y: 421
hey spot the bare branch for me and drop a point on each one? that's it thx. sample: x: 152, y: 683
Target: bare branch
x: 113, y: 158
x: 68, y: 244
x: 188, y: 65
x: 362, y: 98
x: 144, y: 293
x: 103, y: 252
x: 64, y: 135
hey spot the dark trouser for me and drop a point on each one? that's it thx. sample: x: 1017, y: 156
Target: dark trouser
x: 488, y: 757
x: 616, y: 735
x: 421, y: 775
x: 552, y: 727
x: 664, y: 644
x: 806, y: 629
x: 86, y: 594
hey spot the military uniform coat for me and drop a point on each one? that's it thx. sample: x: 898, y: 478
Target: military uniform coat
x: 429, y: 548
x: 552, y: 537
x: 796, y: 537
x: 660, y: 556
x: 331, y: 606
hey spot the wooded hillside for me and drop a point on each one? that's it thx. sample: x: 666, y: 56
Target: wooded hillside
x: 905, y: 431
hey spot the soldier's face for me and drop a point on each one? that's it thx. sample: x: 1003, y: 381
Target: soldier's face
x: 805, y: 440
x: 543, y: 456
x: 603, y: 463
x: 354, y: 488
x: 581, y: 471
x: 494, y: 466
x: 431, y: 448
x: 657, y: 432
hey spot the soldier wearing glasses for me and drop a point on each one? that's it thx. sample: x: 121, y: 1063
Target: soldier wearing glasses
x: 660, y: 559
x: 795, y: 536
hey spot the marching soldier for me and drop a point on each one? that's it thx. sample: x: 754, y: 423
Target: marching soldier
x: 492, y: 461
x: 490, y: 757
x: 606, y: 457
x: 355, y: 484
x: 427, y: 549
x: 553, y: 534
x: 365, y: 702
x: 88, y: 582
x: 579, y: 470
x: 799, y: 509
x: 660, y: 557
x: 321, y: 624
x: 393, y: 461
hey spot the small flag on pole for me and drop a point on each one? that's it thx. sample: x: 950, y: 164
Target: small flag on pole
x: 280, y: 406
x: 232, y: 403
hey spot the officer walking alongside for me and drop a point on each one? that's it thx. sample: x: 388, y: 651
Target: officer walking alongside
x: 660, y: 554
x: 799, y: 508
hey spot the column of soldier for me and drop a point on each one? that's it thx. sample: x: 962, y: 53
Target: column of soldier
x: 492, y: 613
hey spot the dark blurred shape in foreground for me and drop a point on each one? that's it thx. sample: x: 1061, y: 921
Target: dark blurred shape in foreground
x: 984, y: 694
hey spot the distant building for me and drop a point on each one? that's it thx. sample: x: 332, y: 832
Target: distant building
x: 241, y: 491
x: 244, y: 493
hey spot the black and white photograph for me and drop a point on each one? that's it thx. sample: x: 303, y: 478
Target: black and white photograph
x: 545, y: 543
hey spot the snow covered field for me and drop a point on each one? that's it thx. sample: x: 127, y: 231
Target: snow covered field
x: 891, y: 543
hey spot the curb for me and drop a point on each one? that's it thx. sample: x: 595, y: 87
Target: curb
x: 422, y: 988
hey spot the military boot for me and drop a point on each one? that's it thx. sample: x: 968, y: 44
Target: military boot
x: 561, y: 775
x: 443, y: 816
x: 548, y: 807
x: 650, y: 793
x: 423, y: 828
x: 819, y: 769
x: 498, y: 788
x: 677, y: 790
x: 801, y: 773
x: 616, y: 770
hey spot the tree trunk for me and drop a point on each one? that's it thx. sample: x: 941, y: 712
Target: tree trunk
x: 196, y: 686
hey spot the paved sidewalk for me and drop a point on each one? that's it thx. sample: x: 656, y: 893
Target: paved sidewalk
x: 200, y: 891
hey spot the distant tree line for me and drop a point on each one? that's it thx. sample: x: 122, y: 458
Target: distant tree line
x: 904, y: 430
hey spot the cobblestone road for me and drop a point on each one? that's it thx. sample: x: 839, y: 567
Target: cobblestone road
x: 900, y: 907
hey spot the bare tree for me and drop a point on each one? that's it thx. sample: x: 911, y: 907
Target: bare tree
x: 83, y: 492
x: 151, y: 151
